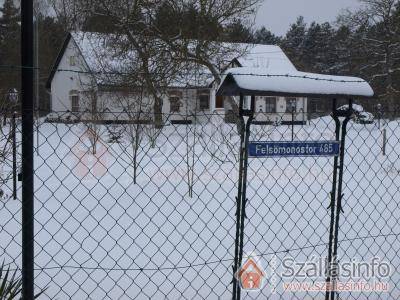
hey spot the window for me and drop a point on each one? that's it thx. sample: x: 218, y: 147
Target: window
x: 74, y: 101
x: 289, y: 103
x: 175, y: 103
x: 316, y: 105
x: 270, y: 104
x: 72, y: 60
x: 204, y: 101
x: 219, y: 102
x: 246, y: 101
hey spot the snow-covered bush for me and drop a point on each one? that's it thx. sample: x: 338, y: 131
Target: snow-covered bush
x: 360, y: 116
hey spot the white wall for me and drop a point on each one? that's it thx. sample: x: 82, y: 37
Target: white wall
x: 66, y: 81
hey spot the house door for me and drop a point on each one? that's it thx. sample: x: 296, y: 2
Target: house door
x: 219, y: 102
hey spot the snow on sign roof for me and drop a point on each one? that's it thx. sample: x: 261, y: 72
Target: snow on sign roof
x: 261, y: 81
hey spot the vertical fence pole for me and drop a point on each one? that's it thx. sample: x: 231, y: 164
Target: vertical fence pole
x: 238, y: 198
x: 250, y: 115
x: 27, y: 148
x: 336, y: 198
x: 14, y: 149
x: 333, y: 200
x: 338, y: 209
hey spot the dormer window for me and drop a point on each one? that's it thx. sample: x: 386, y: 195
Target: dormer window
x: 72, y: 60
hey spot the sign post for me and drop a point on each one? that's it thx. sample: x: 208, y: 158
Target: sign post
x: 336, y: 196
x: 336, y: 149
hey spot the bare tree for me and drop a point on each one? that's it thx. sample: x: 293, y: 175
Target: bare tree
x: 160, y: 53
x: 208, y: 50
x: 92, y: 117
x: 6, y: 155
x: 136, y: 105
x: 379, y: 23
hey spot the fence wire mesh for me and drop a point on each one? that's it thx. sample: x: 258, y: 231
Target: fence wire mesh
x: 125, y: 209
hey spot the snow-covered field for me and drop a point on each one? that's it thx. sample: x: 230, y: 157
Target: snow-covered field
x: 100, y: 236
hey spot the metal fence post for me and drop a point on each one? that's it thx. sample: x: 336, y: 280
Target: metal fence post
x: 250, y: 116
x: 333, y: 198
x: 238, y: 198
x: 14, y: 153
x: 333, y: 240
x: 27, y: 149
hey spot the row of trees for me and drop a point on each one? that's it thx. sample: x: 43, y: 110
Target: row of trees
x: 159, y: 41
x: 50, y: 34
x: 364, y: 43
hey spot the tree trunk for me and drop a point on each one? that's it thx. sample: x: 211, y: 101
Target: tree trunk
x: 158, y: 118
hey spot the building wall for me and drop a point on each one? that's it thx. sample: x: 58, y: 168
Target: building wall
x: 66, y: 81
x: 190, y: 104
x: 114, y: 101
x: 279, y: 115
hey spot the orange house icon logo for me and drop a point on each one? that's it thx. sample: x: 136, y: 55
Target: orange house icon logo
x: 251, y: 275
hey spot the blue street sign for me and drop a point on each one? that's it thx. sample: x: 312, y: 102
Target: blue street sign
x: 293, y: 149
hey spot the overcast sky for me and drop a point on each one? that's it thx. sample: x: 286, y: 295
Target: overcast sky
x: 277, y: 15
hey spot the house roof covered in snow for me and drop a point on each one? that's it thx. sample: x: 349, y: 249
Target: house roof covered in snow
x: 268, y: 57
x: 269, y: 82
x: 106, y: 64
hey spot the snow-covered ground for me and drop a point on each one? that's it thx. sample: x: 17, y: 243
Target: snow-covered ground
x: 98, y: 235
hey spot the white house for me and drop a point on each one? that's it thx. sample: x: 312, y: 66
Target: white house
x: 80, y: 81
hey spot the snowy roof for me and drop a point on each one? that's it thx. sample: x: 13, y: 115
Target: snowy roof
x: 266, y: 56
x: 246, y: 55
x: 260, y: 81
x: 106, y: 64
x: 102, y: 59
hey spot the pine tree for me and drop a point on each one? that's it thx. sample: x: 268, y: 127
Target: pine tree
x: 9, y: 47
x: 293, y: 43
x: 266, y: 37
x: 51, y: 35
x: 9, y: 17
x: 318, y: 48
x: 376, y: 28
x: 238, y: 32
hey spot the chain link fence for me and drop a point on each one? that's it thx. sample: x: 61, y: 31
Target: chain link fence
x: 128, y: 210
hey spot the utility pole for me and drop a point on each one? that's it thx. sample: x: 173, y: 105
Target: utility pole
x: 27, y: 149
